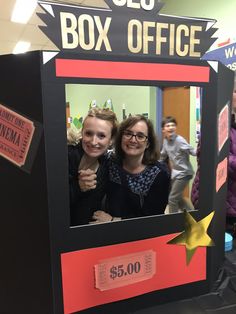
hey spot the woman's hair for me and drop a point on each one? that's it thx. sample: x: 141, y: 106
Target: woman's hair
x: 73, y: 136
x: 151, y: 154
x: 105, y: 114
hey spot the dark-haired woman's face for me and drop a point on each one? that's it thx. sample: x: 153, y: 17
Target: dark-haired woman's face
x: 134, y: 139
x: 96, y: 136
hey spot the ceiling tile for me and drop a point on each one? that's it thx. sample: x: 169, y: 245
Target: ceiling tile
x: 33, y: 32
x: 7, y: 47
x: 6, y: 9
x: 10, y: 31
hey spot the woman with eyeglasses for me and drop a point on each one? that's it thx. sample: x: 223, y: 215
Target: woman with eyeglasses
x: 138, y: 182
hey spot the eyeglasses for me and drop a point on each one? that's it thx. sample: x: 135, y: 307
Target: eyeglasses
x: 140, y: 137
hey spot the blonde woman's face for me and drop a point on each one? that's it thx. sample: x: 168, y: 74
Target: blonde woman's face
x: 96, y: 136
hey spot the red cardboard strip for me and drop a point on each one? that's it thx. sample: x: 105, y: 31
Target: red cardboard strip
x: 82, y: 289
x: 131, y: 70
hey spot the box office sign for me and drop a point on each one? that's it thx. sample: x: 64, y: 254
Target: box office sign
x: 127, y: 27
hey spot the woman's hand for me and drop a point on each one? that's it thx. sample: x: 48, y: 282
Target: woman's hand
x: 87, y: 180
x: 101, y: 216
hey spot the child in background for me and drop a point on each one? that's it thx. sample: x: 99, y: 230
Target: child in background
x: 177, y: 150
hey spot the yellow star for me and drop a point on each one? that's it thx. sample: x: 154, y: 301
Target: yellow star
x: 195, y: 234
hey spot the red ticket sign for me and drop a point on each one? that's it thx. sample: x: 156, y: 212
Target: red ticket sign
x: 124, y: 270
x: 221, y: 174
x: 16, y: 134
x: 223, y: 127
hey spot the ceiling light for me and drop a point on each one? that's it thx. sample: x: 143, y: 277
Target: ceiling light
x: 21, y: 47
x: 23, y: 11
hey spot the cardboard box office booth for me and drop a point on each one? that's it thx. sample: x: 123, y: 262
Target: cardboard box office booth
x: 48, y: 266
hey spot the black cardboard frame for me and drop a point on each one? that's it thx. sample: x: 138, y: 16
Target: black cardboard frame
x: 40, y: 230
x: 156, y: 226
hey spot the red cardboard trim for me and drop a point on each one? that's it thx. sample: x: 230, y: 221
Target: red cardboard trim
x: 78, y: 274
x: 131, y: 71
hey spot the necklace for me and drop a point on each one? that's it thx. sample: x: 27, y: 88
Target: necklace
x: 134, y: 170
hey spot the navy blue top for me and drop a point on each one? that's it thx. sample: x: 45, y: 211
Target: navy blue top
x: 137, y: 195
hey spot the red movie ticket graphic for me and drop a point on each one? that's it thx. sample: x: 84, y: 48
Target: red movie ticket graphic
x: 223, y: 127
x: 221, y: 174
x: 16, y: 134
x: 125, y: 270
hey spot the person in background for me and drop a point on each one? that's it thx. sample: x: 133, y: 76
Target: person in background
x: 73, y: 139
x: 196, y: 181
x: 231, y: 192
x: 176, y: 150
x: 88, y: 164
x: 138, y: 182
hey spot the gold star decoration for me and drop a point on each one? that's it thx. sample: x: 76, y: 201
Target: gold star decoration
x: 195, y: 234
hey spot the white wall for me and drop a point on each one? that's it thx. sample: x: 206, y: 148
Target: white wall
x: 137, y: 99
x: 221, y: 10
